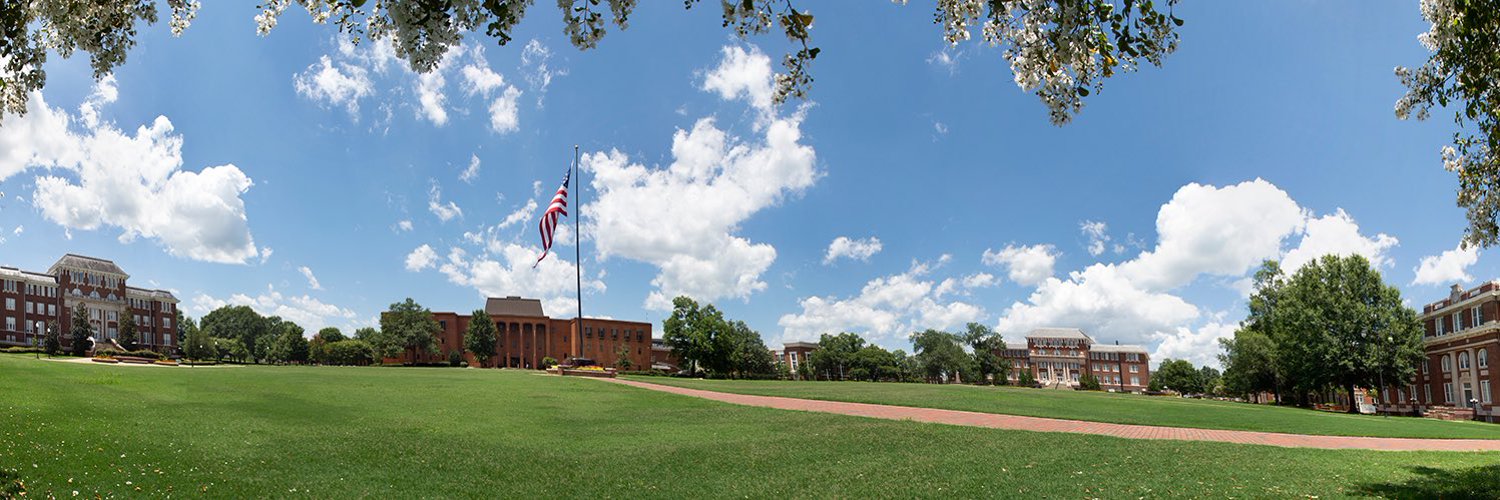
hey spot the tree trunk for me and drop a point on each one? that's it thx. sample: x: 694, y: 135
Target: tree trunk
x: 1353, y: 403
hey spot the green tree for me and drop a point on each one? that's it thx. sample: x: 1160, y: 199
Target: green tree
x: 691, y: 331
x: 1026, y: 379
x: 941, y: 355
x: 1249, y: 361
x: 129, y: 339
x: 747, y: 352
x: 622, y: 358
x: 1341, y: 326
x: 835, y: 354
x: 874, y: 363
x: 331, y: 334
x: 195, y: 343
x: 353, y: 352
x: 290, y: 344
x: 479, y: 340
x: 52, y: 340
x: 1062, y: 50
x: 408, y: 327
x: 80, y: 331
x: 1088, y: 382
x: 985, y: 343
x: 1209, y: 380
x: 1178, y: 375
x: 1463, y: 74
x: 241, y: 323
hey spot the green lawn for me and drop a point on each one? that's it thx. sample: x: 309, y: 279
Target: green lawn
x: 1101, y: 407
x: 397, y: 432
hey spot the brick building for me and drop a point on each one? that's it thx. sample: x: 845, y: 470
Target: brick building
x: 31, y: 299
x: 1058, y: 357
x: 525, y: 336
x: 1460, y: 337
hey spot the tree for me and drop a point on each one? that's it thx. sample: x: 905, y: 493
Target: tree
x: 1463, y: 71
x: 479, y: 340
x: 1249, y: 361
x: 1088, y: 382
x: 1341, y: 326
x: 195, y: 343
x: 985, y: 342
x: 874, y: 363
x: 1178, y: 375
x: 1209, y: 380
x: 289, y: 346
x: 408, y: 327
x: 241, y: 323
x: 835, y: 354
x: 1026, y: 379
x: 690, y: 332
x: 81, y: 331
x: 331, y: 334
x: 747, y: 353
x: 622, y: 358
x: 351, y: 352
x: 129, y: 339
x: 52, y: 341
x: 941, y: 355
x: 1062, y: 50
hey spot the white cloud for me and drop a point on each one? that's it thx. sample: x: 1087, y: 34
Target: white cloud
x: 1097, y: 234
x: 1450, y: 266
x: 312, y: 281
x: 886, y: 310
x: 742, y: 73
x: 535, y: 60
x: 944, y: 59
x: 1026, y: 265
x: 265, y: 254
x: 421, y: 258
x: 854, y: 249
x: 444, y: 211
x: 724, y: 179
x: 430, y: 98
x: 1101, y: 301
x: 504, y: 117
x: 309, y: 313
x: 18, y: 230
x: 1217, y: 231
x: 479, y: 79
x: 333, y: 84
x: 520, y: 214
x: 472, y: 172
x: 404, y: 225
x: 1337, y: 234
x: 1200, y: 346
x: 102, y: 176
x: 509, y: 271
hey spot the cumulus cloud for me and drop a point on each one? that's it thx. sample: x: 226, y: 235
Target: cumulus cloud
x: 444, y: 211
x: 307, y: 312
x: 421, y: 258
x: 312, y: 281
x: 887, y: 309
x: 742, y: 74
x: 1450, y: 266
x: 508, y: 271
x: 1221, y: 232
x: 725, y: 179
x: 854, y: 249
x: 472, y: 172
x: 1025, y: 265
x: 100, y: 176
x: 520, y: 214
x: 1199, y: 346
x: 340, y: 84
x: 404, y: 225
x: 479, y: 79
x: 1097, y: 233
x: 535, y: 64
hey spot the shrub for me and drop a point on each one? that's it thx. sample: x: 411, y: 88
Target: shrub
x: 1088, y: 382
x: 455, y: 358
x: 350, y: 352
x: 1026, y: 379
x: 548, y: 362
x: 651, y: 373
x: 115, y: 353
x: 23, y: 350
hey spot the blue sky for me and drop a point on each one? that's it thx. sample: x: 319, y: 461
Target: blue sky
x: 228, y: 167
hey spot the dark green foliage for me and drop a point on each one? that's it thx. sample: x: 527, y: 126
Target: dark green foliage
x: 81, y: 331
x: 1026, y: 379
x: 985, y: 342
x: 1088, y: 382
x: 128, y: 336
x: 455, y: 358
x: 941, y: 355
x: 331, y: 334
x: 240, y: 323
x: 705, y: 341
x: 835, y: 355
x: 135, y: 354
x: 479, y: 340
x: 350, y: 353
x: 407, y: 327
x: 1177, y: 375
x: 548, y: 362
x: 52, y: 340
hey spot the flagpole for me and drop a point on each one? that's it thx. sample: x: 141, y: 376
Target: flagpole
x: 577, y: 247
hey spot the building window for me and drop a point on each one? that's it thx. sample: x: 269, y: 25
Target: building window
x: 1135, y: 381
x: 1484, y: 391
x: 1447, y: 363
x: 1437, y: 325
x: 1424, y: 366
x: 1484, y: 359
x: 1448, y: 393
x: 1427, y: 393
x: 1463, y: 361
x: 1135, y: 368
x: 10, y: 304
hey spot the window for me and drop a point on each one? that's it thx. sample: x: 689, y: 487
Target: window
x: 1476, y: 317
x: 10, y: 324
x: 1135, y: 368
x: 1437, y: 327
x: 1400, y: 395
x: 1447, y: 392
x: 166, y: 339
x: 1484, y: 391
x: 1447, y: 363
x: 1424, y: 366
x: 588, y: 332
x: 10, y: 304
x: 1456, y: 325
x: 1463, y: 361
x: 1135, y: 381
x: 52, y: 309
x: 1427, y: 393
x: 1484, y: 359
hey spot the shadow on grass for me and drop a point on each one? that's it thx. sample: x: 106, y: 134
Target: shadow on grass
x: 1473, y: 482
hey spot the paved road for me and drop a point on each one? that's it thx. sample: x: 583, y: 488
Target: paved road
x: 995, y: 421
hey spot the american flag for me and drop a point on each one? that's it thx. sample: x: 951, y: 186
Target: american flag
x: 548, y: 224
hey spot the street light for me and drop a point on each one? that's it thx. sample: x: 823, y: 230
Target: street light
x: 1474, y: 403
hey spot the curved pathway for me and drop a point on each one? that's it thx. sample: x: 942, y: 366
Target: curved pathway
x: 1038, y: 424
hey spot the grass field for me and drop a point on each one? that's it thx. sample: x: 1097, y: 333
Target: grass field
x: 1101, y: 407
x: 398, y: 432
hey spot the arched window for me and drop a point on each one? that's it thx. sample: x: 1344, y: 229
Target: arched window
x: 1447, y: 363
x: 1463, y: 361
x: 1484, y: 359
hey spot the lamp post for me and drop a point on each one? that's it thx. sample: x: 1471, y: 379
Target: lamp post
x: 1414, y: 411
x: 1474, y: 404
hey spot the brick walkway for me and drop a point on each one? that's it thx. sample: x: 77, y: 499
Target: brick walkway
x: 995, y: 421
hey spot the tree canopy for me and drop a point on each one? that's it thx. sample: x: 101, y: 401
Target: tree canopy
x: 479, y: 340
x: 1061, y: 50
x: 704, y: 340
x: 409, y: 327
x: 941, y: 355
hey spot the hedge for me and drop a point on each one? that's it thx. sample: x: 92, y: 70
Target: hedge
x: 143, y: 353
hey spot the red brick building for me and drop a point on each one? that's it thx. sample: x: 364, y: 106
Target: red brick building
x: 1461, y: 336
x: 1059, y: 357
x: 525, y: 336
x: 31, y: 299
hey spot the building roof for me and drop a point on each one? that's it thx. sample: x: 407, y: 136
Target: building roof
x: 1117, y: 348
x: 513, y: 306
x: 27, y: 275
x: 804, y: 345
x: 155, y: 294
x: 94, y: 264
x: 1020, y: 346
x: 1059, y: 333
